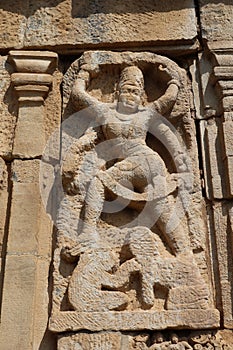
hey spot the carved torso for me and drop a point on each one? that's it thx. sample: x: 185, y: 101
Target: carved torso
x: 127, y: 130
x: 127, y: 126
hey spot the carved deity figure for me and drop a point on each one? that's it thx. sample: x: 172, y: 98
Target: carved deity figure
x: 139, y: 342
x: 176, y: 344
x: 158, y: 342
x: 97, y: 281
x: 142, y: 266
x: 126, y: 124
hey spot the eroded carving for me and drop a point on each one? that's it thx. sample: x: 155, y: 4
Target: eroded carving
x: 199, y: 340
x: 126, y: 125
x: 136, y: 256
x: 173, y: 341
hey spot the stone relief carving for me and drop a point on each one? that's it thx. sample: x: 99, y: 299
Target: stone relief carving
x: 126, y: 247
x: 198, y: 340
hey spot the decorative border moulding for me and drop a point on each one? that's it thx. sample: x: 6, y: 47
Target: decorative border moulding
x: 97, y: 321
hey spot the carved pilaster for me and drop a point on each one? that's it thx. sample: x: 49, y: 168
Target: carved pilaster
x: 216, y: 130
x: 32, y: 81
x: 223, y: 73
x: 24, y: 314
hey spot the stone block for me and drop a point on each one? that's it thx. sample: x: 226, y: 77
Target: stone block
x: 30, y: 227
x: 216, y: 19
x: 221, y: 223
x: 97, y: 321
x: 42, y: 338
x: 27, y: 267
x: 18, y: 303
x: 14, y: 17
x: 61, y: 24
x: 25, y: 304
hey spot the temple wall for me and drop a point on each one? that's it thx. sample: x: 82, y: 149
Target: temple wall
x: 116, y: 175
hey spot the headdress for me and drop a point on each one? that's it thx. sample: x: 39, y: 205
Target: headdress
x: 131, y: 75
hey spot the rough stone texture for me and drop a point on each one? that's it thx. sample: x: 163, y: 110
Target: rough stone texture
x: 29, y: 231
x: 68, y: 23
x: 120, y: 280
x: 4, y: 187
x: 135, y: 320
x: 104, y: 341
x: 200, y: 340
x: 216, y: 18
x: 27, y: 262
x: 221, y: 221
x: 18, y: 301
x: 130, y: 270
x: 8, y: 109
x: 14, y: 18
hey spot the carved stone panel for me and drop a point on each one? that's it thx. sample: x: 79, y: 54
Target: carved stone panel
x: 169, y: 340
x: 131, y: 253
x: 116, y: 175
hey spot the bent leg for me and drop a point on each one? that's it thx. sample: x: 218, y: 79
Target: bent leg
x: 93, y: 204
x: 170, y: 224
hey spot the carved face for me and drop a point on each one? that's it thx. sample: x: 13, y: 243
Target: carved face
x: 174, y: 339
x: 129, y: 97
x: 158, y: 338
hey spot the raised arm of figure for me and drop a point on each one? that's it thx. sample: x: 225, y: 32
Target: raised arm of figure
x: 162, y: 128
x: 165, y: 103
x: 80, y: 96
x: 165, y: 132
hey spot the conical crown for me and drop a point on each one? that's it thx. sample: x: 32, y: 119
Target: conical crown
x: 131, y: 76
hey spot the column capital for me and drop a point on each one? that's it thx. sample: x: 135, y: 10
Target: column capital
x: 33, y: 73
x: 33, y: 61
x: 32, y: 79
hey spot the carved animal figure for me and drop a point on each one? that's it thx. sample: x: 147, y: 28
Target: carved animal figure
x: 93, y: 275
